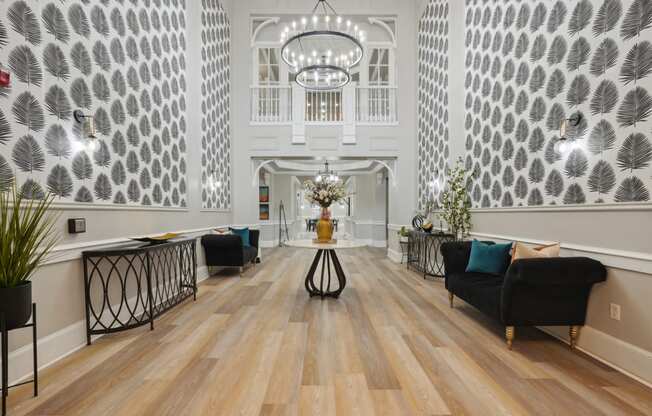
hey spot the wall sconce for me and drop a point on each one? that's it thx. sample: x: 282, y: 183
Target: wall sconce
x: 213, y: 183
x: 564, y: 144
x: 88, y: 123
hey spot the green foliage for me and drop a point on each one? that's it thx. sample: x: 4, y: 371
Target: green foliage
x: 456, y: 203
x: 27, y: 235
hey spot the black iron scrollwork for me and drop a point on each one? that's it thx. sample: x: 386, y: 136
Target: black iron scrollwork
x: 127, y: 287
x: 424, y: 254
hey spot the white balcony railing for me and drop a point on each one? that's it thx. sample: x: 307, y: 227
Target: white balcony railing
x: 370, y: 105
x: 324, y: 106
x: 376, y: 105
x: 271, y: 104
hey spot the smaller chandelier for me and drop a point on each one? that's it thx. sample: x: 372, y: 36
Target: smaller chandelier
x: 321, y: 51
x: 326, y: 175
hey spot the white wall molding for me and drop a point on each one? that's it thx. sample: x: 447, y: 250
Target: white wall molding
x: 618, y: 259
x: 73, y: 251
x: 629, y: 359
x: 630, y: 206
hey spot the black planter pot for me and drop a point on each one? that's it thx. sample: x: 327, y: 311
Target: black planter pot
x: 16, y: 304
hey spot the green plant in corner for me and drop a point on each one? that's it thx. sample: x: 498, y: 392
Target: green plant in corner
x: 456, y: 203
x: 27, y: 236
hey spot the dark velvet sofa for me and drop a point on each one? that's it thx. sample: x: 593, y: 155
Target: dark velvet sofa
x: 541, y: 291
x: 229, y: 251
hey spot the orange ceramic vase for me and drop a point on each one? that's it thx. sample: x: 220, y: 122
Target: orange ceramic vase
x: 325, y: 227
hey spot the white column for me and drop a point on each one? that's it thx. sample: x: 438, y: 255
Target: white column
x: 348, y: 104
x: 298, y: 115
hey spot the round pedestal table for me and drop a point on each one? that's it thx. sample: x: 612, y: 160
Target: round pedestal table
x: 325, y: 254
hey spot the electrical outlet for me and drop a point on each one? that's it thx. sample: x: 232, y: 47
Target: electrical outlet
x: 614, y: 311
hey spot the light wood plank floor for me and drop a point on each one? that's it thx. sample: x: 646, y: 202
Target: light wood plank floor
x: 257, y: 345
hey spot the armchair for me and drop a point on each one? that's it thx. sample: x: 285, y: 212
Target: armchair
x: 229, y: 251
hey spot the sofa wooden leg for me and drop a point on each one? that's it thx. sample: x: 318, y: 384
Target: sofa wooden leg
x: 573, y: 331
x: 450, y: 298
x: 509, y: 335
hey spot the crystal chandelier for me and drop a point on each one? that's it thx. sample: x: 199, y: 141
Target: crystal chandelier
x: 326, y: 175
x: 321, y: 51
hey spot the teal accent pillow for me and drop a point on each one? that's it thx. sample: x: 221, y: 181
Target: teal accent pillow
x: 489, y: 258
x: 243, y: 233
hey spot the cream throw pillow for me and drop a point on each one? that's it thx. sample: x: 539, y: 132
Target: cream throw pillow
x: 521, y: 251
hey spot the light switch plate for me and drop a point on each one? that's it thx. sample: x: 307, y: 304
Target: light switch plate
x: 76, y: 225
x: 614, y: 311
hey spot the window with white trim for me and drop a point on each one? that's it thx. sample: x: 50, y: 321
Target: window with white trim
x: 379, y: 67
x: 268, y: 66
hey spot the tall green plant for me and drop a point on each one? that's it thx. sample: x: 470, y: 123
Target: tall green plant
x: 27, y: 235
x: 456, y: 203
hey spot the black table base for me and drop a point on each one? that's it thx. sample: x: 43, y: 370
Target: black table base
x: 5, y: 358
x: 130, y: 286
x: 424, y: 252
x: 323, y: 287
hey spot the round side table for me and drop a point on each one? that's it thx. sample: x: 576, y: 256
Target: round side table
x: 325, y: 254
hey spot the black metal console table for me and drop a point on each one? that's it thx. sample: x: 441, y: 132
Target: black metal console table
x: 424, y: 253
x: 4, y: 331
x: 129, y: 286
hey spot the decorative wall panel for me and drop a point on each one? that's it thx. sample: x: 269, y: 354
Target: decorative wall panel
x: 531, y: 64
x: 216, y: 101
x: 432, y: 129
x: 124, y: 62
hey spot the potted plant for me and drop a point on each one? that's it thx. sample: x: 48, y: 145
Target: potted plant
x: 403, y: 235
x: 324, y: 193
x: 456, y: 203
x: 26, y: 237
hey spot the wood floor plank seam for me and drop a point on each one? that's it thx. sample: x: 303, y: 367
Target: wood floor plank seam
x: 256, y: 344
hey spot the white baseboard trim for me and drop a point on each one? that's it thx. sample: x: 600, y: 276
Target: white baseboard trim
x: 624, y: 357
x: 394, y: 255
x: 58, y: 345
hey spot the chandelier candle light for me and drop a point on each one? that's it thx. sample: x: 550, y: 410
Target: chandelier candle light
x: 322, y: 49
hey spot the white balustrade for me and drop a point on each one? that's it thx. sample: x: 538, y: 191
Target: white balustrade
x: 376, y: 105
x: 271, y: 104
x: 370, y: 105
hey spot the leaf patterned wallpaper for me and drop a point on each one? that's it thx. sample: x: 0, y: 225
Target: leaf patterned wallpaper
x: 216, y: 99
x: 124, y: 61
x: 530, y: 64
x: 432, y: 129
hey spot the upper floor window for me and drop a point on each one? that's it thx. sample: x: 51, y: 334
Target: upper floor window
x: 379, y: 66
x: 268, y: 66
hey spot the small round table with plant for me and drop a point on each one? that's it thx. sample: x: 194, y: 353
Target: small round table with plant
x: 324, y: 193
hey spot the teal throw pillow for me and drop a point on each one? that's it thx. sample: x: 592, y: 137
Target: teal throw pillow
x: 489, y: 258
x: 243, y: 233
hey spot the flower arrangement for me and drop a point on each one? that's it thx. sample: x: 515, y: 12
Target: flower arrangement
x: 456, y: 203
x: 324, y: 193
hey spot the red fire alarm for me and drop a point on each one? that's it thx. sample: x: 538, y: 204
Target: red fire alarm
x: 5, y: 77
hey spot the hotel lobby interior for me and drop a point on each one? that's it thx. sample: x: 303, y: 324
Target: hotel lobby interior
x: 311, y: 207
